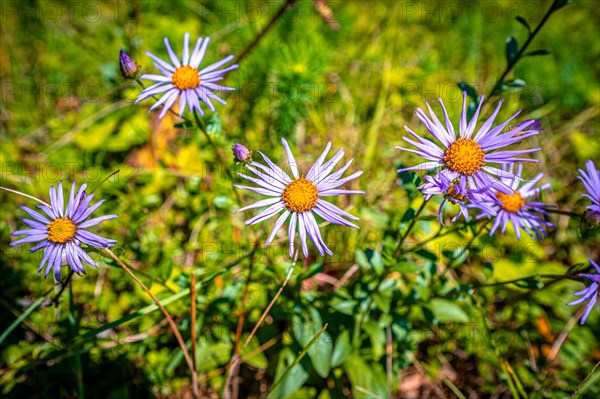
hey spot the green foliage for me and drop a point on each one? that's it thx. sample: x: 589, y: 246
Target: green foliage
x: 451, y: 309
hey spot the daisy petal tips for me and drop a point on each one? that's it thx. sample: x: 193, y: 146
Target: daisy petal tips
x: 299, y: 198
x: 466, y: 155
x: 591, y: 181
x: 61, y: 230
x: 589, y: 294
x: 517, y: 208
x: 183, y: 79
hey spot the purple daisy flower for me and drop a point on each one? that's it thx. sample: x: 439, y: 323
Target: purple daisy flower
x: 455, y: 192
x: 182, y: 79
x: 589, y: 294
x: 468, y: 156
x: 591, y: 182
x: 529, y: 216
x: 61, y: 231
x: 301, y: 197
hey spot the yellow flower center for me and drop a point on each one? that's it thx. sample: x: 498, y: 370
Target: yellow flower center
x: 61, y: 230
x: 185, y: 77
x: 464, y: 156
x: 511, y: 203
x: 300, y: 195
x: 451, y: 192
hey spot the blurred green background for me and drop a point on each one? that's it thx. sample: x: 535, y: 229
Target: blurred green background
x: 352, y: 74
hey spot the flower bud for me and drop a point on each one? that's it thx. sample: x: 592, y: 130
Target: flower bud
x: 241, y: 153
x: 590, y: 221
x: 129, y: 68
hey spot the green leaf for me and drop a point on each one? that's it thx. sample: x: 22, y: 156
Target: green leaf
x: 214, y: 125
x: 311, y: 271
x: 224, y: 202
x: 408, y: 215
x: 446, y: 311
x: 531, y: 283
x: 375, y: 260
x: 341, y: 350
x: 458, y: 256
x: 471, y: 92
x: 406, y: 267
x: 512, y: 84
x: 524, y: 22
x: 320, y: 352
x: 558, y: 4
x: 377, y: 337
x: 512, y: 49
x: 368, y: 378
x: 537, y: 52
x: 184, y: 125
x: 293, y: 380
x: 471, y: 109
x: 427, y: 254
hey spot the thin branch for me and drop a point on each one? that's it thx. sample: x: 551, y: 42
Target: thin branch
x: 25, y: 195
x: 172, y: 324
x: 510, y: 65
x: 263, y: 32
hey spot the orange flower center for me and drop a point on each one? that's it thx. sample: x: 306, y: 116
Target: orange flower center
x: 300, y: 195
x: 185, y: 77
x: 61, y: 230
x: 511, y: 203
x: 464, y: 156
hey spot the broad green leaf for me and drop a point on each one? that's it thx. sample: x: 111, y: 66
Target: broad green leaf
x: 341, y: 350
x: 320, y: 352
x: 446, y: 311
x: 293, y: 381
x: 368, y: 380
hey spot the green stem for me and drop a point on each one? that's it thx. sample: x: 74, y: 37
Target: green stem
x: 566, y: 213
x: 516, y: 280
x: 34, y: 306
x: 297, y: 360
x: 263, y: 32
x: 510, y: 65
x: 409, y: 228
x: 217, y: 152
x: 74, y: 323
x: 25, y: 195
x: 470, y: 243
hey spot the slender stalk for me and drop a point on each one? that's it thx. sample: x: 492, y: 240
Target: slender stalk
x: 38, y: 303
x: 409, y: 228
x: 193, y: 326
x: 263, y: 32
x: 470, y: 243
x: 236, y: 359
x: 565, y: 213
x: 510, y: 65
x: 584, y: 380
x: 63, y: 286
x: 25, y: 195
x: 74, y: 326
x: 297, y: 360
x: 105, y: 179
x: 517, y: 280
x: 228, y: 390
x: 217, y: 152
x: 172, y: 324
x: 266, y: 312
